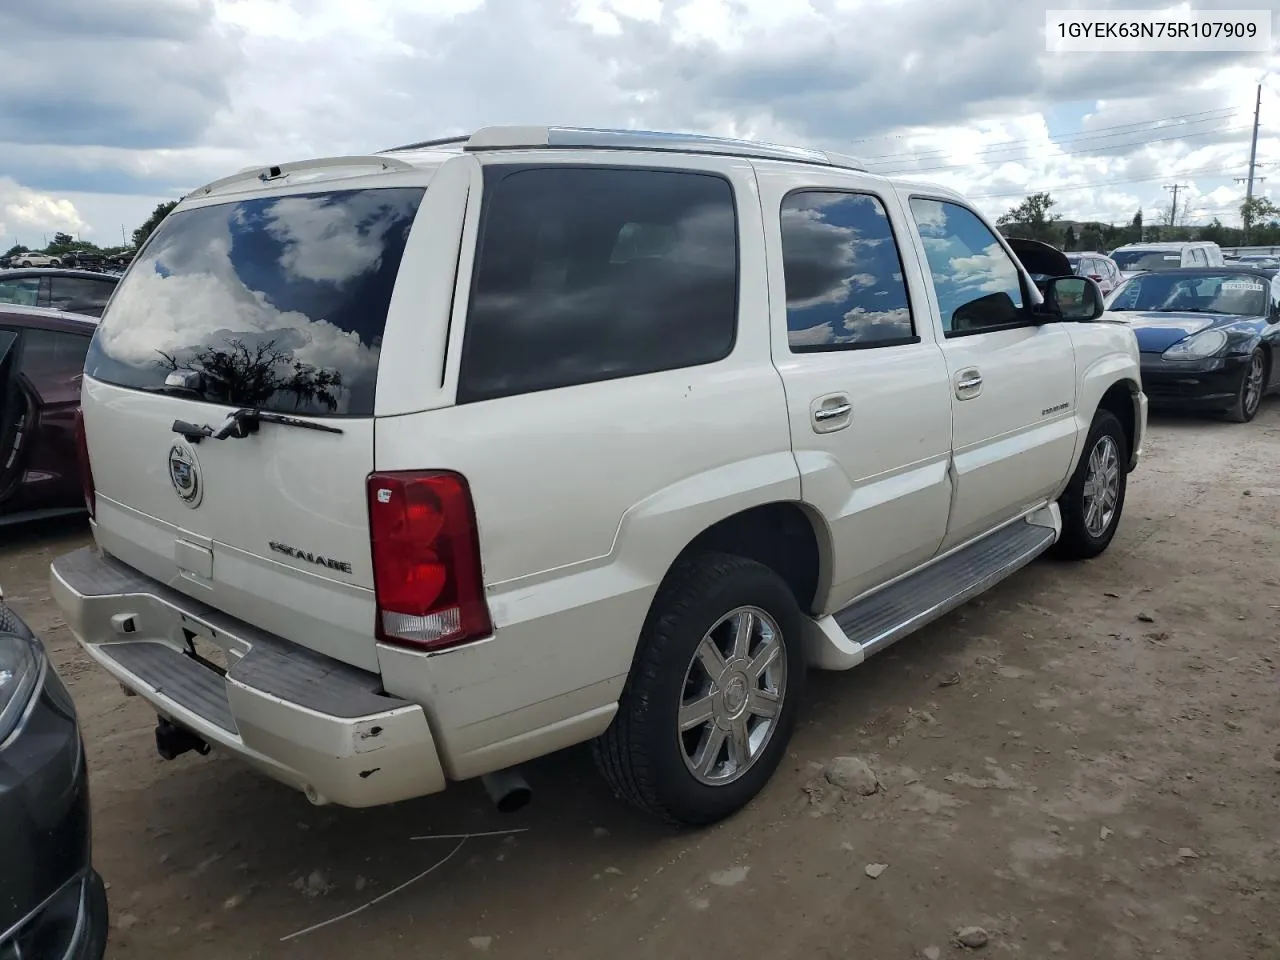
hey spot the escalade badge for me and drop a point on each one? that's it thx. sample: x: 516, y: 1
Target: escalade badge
x: 184, y: 474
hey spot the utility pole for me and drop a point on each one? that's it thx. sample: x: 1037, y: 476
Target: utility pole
x: 1173, y: 208
x: 1253, y: 163
x: 1253, y: 146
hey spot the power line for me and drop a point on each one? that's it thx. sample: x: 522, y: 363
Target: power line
x: 1062, y: 187
x: 1090, y: 151
x: 1080, y: 136
x: 1179, y: 116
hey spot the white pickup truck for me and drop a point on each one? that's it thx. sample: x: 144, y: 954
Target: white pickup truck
x: 407, y: 468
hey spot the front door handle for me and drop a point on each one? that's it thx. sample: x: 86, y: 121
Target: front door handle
x: 968, y: 384
x: 833, y: 413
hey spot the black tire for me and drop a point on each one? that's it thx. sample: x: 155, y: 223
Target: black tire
x: 1245, y: 407
x: 1078, y: 542
x: 642, y: 754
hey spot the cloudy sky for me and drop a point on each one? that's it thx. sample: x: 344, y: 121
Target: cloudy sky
x: 109, y: 106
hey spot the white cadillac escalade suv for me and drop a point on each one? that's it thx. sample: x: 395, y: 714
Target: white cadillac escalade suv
x: 408, y: 468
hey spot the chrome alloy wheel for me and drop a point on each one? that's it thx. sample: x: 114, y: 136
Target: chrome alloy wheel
x: 1253, y: 384
x: 733, y: 695
x: 1101, y: 486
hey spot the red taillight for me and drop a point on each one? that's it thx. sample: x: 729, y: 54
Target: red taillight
x: 426, y: 560
x: 86, y: 472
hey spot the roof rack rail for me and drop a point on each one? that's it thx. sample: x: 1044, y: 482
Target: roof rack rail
x: 425, y: 144
x: 510, y: 137
x: 279, y: 171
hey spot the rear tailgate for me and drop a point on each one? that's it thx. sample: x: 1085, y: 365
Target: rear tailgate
x: 274, y: 303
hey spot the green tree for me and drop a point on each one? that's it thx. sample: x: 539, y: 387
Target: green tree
x: 16, y: 249
x: 159, y: 213
x: 1069, y: 240
x: 1257, y: 210
x: 1110, y: 237
x: 1216, y: 232
x: 1032, y: 218
x: 1135, y: 228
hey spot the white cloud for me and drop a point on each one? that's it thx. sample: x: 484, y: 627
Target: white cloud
x: 185, y: 92
x: 31, y: 215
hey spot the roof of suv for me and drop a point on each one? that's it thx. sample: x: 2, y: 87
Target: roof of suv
x: 1167, y: 245
x: 527, y: 137
x: 427, y: 154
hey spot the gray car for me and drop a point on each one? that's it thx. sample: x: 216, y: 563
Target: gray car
x: 84, y: 292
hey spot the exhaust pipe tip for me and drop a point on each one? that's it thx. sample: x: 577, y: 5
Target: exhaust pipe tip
x: 507, y: 789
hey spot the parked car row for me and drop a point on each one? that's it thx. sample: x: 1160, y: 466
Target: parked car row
x: 82, y: 259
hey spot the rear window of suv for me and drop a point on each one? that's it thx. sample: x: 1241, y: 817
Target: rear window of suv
x: 279, y: 301
x: 592, y: 273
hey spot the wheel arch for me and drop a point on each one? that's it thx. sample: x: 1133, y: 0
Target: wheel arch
x: 1113, y: 382
x: 1122, y: 400
x: 787, y: 536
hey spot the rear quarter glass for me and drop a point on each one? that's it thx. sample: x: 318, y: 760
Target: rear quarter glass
x: 280, y: 302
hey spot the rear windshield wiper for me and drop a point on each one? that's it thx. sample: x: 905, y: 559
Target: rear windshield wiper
x: 243, y: 422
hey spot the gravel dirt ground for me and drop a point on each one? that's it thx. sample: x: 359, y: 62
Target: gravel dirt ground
x: 1083, y: 763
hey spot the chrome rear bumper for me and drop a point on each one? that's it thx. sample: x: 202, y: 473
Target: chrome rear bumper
x: 305, y: 719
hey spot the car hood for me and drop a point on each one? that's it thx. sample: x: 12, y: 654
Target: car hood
x: 1157, y: 332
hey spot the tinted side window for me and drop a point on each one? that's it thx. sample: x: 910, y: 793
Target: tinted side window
x: 975, y: 280
x: 843, y: 273
x: 587, y: 274
x: 51, y: 356
x: 79, y: 294
x: 24, y: 291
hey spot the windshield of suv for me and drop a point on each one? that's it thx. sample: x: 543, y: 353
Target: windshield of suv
x: 280, y: 302
x: 1237, y: 294
x: 1147, y: 259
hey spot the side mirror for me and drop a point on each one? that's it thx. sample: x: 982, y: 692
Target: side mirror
x: 1073, y: 298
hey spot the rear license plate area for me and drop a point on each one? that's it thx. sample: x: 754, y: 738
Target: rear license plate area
x: 206, y: 651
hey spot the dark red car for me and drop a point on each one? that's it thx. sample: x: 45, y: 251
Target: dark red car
x: 41, y: 362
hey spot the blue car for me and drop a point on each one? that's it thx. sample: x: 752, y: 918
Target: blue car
x: 1209, y: 336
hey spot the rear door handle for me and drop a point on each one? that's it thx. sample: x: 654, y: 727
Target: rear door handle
x: 968, y: 384
x: 831, y: 413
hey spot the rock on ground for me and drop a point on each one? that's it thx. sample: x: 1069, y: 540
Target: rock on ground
x: 853, y: 774
x: 973, y: 938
